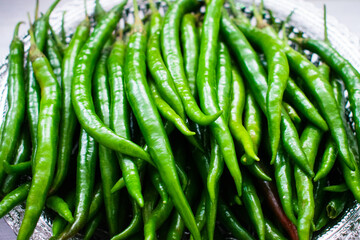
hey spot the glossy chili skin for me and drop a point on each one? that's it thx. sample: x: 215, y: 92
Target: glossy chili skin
x: 58, y: 205
x: 190, y: 45
x: 16, y: 102
x: 85, y: 178
x: 310, y: 139
x: 53, y: 54
x: 271, y: 232
x: 159, y: 72
x: 59, y: 223
x: 68, y: 117
x: 344, y: 69
x: 46, y: 151
x: 149, y: 120
x: 81, y: 88
x: 41, y: 26
x: 170, y: 43
x: 109, y: 168
x: 20, y: 168
x: 14, y: 198
x: 92, y: 225
x: 97, y: 201
x: 337, y: 204
x: 292, y: 114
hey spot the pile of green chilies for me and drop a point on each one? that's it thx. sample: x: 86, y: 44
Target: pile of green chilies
x: 205, y: 126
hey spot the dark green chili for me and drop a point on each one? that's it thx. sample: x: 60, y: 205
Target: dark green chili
x: 53, y: 54
x: 327, y: 160
x: 14, y: 198
x: 271, y: 232
x: 336, y: 188
x: 337, y: 205
x: 158, y: 184
x: 92, y: 226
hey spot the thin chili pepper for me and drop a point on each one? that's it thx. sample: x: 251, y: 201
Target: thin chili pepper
x: 120, y: 184
x: 85, y: 178
x: 271, y: 232
x: 159, y: 72
x: 22, y: 154
x: 235, y: 122
x: 97, y: 201
x: 16, y: 102
x: 68, y: 117
x: 322, y: 220
x: 81, y: 88
x: 58, y: 205
x: 92, y: 226
x: 46, y: 150
x: 135, y: 224
x: 109, y: 169
x: 150, y: 199
x: 138, y: 95
x: 344, y: 69
x: 337, y: 205
x: 292, y: 113
x: 158, y: 184
x: 283, y: 177
x: 310, y: 140
x: 319, y: 197
x: 227, y: 217
x: 167, y: 112
x: 200, y: 215
x: 170, y: 43
x: 53, y: 54
x: 336, y: 188
x: 190, y: 46
x: 252, y: 204
x: 255, y: 74
x: 327, y: 160
x: 273, y: 201
x: 41, y: 26
x: 62, y: 30
x: 61, y: 46
x: 119, y: 118
x: 19, y: 168
x: 14, y: 198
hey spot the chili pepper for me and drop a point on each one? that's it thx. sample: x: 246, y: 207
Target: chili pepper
x: 62, y: 30
x: 109, y: 169
x: 292, y: 114
x: 170, y: 43
x: 337, y: 205
x: 255, y: 74
x: 119, y: 118
x: 41, y: 26
x: 322, y: 220
x: 344, y: 69
x: 85, y: 178
x: 150, y: 199
x: 310, y: 140
x: 97, y: 201
x: 60, y: 46
x: 159, y: 72
x: 271, y: 232
x: 58, y: 205
x: 167, y: 112
x: 319, y: 197
x: 19, y: 168
x: 135, y: 224
x: 46, y: 150
x: 283, y: 178
x: 190, y: 46
x: 81, y: 88
x: 68, y: 117
x: 336, y: 188
x: 200, y: 216
x: 235, y: 121
x: 120, y: 184
x: 273, y: 201
x: 53, y: 54
x: 227, y: 217
x: 158, y: 184
x: 138, y: 95
x: 16, y: 102
x: 14, y: 198
x: 328, y: 159
x: 22, y: 154
x: 92, y: 226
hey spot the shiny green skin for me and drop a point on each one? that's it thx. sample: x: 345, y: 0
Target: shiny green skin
x: 336, y: 188
x: 151, y: 197
x: 81, y: 88
x: 46, y: 150
x: 158, y: 184
x: 96, y: 202
x: 41, y: 27
x: 14, y: 198
x: 85, y: 179
x: 345, y: 70
x: 167, y: 112
x: 322, y: 220
x: 328, y: 159
x: 228, y: 219
x: 337, y: 205
x: 119, y: 118
x: 92, y: 226
x: 252, y: 204
x: 283, y: 177
x: 297, y: 97
x: 54, y: 56
x: 16, y: 102
x: 58, y: 205
x: 206, y: 84
x: 322, y: 92
x: 190, y: 47
x: 151, y: 126
x: 109, y: 169
x: 236, y: 113
x: 22, y: 154
x: 200, y: 215
x: 310, y: 140
x: 20, y: 168
x: 135, y: 224
x: 271, y: 232
x: 68, y: 117
x: 292, y: 113
x: 170, y: 43
x: 159, y: 72
x: 255, y: 74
